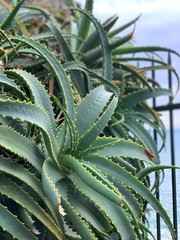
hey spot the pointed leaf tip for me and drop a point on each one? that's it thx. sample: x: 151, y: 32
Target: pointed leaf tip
x: 61, y: 211
x: 148, y: 153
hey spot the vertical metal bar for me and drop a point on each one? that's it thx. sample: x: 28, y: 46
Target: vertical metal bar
x: 158, y: 221
x: 174, y: 192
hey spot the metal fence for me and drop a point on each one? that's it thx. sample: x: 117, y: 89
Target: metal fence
x: 173, y: 196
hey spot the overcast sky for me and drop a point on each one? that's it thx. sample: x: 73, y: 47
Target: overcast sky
x: 160, y: 16
x: 159, y: 24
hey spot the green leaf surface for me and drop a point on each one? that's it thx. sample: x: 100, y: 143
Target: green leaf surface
x: 135, y: 73
x: 81, y: 67
x: 121, y: 41
x: 27, y: 219
x: 117, y: 147
x: 35, y: 115
x: 7, y: 82
x: 121, y: 175
x: 80, y: 225
x: 11, y: 16
x: 142, y: 49
x: 91, y: 212
x: 38, y: 91
x: 14, y: 124
x: 92, y: 106
x: 95, y: 54
x: 85, y: 23
x: 61, y: 77
x: 122, y: 28
x: 71, y: 134
x: 20, y: 145
x: 149, y: 169
x: 143, y: 136
x: 92, y: 41
x: 62, y: 140
x: 130, y: 198
x: 146, y: 229
x: 105, y: 48
x: 149, y: 120
x: 12, y: 225
x: 142, y: 95
x: 81, y: 171
x: 50, y: 176
x: 96, y: 129
x: 116, y: 214
x: 15, y: 169
x: 76, y: 77
x: 13, y: 191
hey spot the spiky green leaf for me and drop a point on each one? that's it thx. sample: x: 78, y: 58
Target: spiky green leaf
x: 119, y: 173
x: 61, y: 77
x: 20, y: 145
x: 40, y: 95
x: 14, y: 192
x: 35, y: 115
x: 12, y: 225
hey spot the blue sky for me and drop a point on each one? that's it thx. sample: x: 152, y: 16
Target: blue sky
x: 159, y: 25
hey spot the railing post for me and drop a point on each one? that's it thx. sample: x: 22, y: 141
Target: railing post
x: 173, y: 171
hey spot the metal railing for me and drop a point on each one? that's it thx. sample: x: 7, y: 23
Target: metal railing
x: 170, y: 108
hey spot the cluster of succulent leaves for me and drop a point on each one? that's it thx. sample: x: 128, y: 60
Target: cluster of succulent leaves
x: 75, y: 153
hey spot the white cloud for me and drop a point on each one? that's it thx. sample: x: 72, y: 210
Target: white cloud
x: 127, y: 9
x: 135, y: 5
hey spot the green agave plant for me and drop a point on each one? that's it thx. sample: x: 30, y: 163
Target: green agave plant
x: 76, y: 165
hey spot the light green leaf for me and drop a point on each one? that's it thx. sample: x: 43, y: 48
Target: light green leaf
x: 13, y: 191
x: 117, y: 147
x: 96, y: 102
x: 86, y: 140
x: 79, y: 170
x: 143, y: 136
x: 105, y: 48
x: 71, y: 134
x: 76, y: 77
x: 9, y: 83
x: 35, y: 115
x: 51, y: 174
x: 20, y: 145
x: 38, y: 91
x: 81, y: 67
x: 149, y: 169
x: 61, y: 77
x: 91, y: 212
x: 11, y: 16
x: 116, y: 214
x: 85, y: 23
x: 80, y: 225
x: 122, y: 28
x: 121, y: 175
x: 92, y: 41
x: 142, y: 49
x: 96, y: 53
x: 16, y: 170
x: 142, y: 95
x: 12, y: 225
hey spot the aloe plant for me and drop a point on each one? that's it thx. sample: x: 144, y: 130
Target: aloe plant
x: 75, y: 159
x: 75, y: 164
